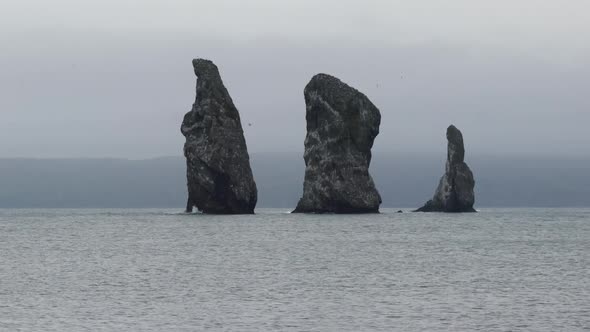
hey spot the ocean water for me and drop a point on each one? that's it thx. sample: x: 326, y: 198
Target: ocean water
x: 159, y: 270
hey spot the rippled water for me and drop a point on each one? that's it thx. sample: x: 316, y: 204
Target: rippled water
x: 156, y: 270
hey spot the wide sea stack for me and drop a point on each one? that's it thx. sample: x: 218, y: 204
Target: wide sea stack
x: 342, y: 124
x: 219, y: 176
x: 455, y: 189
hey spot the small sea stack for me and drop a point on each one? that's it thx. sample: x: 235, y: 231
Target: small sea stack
x: 219, y: 177
x: 455, y: 190
x: 342, y: 124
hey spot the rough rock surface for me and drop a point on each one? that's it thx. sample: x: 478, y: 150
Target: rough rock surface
x: 455, y: 190
x: 342, y: 124
x: 219, y: 176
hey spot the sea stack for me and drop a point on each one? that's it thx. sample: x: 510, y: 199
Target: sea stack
x: 219, y: 176
x: 342, y: 124
x: 455, y: 190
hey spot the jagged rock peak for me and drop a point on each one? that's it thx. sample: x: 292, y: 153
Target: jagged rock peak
x: 455, y: 190
x: 342, y: 124
x: 219, y: 177
x: 455, y: 150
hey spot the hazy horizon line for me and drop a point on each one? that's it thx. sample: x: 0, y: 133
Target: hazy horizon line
x: 376, y: 154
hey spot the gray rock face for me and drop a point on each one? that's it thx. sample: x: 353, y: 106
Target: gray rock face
x: 342, y: 124
x: 455, y: 190
x: 218, y: 173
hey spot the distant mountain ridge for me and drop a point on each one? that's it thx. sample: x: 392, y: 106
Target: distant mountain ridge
x: 403, y: 181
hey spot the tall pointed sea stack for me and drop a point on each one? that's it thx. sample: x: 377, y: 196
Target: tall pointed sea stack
x: 455, y: 190
x: 342, y: 124
x: 218, y: 171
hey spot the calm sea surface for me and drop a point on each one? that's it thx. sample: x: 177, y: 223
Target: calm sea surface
x: 157, y: 270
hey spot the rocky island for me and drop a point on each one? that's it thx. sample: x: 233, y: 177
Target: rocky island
x: 455, y: 189
x: 342, y: 124
x: 219, y: 177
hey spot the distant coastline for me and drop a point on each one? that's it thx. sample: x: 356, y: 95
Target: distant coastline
x: 403, y: 179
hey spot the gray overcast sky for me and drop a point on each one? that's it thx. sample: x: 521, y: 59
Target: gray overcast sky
x: 114, y: 78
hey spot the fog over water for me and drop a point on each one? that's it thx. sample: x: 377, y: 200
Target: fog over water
x: 93, y: 234
x: 114, y: 78
x: 404, y: 181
